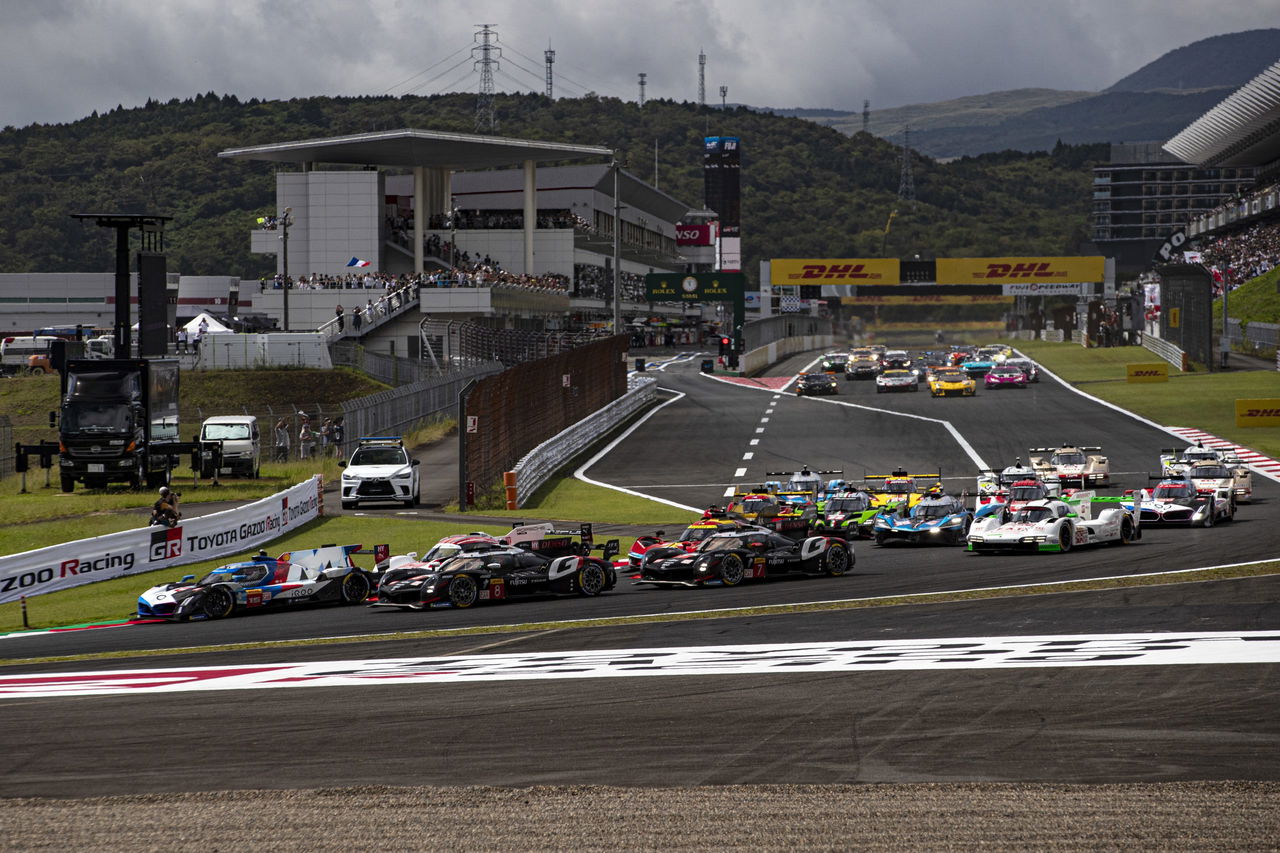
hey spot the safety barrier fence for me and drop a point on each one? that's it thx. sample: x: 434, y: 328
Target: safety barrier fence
x: 1255, y: 335
x: 538, y: 465
x: 761, y: 357
x: 757, y: 333
x: 1169, y: 352
x: 6, y: 446
x: 395, y: 370
x: 446, y: 343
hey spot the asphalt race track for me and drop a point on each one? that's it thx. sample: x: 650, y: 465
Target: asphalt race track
x: 1032, y: 723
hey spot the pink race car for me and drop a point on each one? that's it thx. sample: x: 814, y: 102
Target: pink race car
x: 1005, y: 377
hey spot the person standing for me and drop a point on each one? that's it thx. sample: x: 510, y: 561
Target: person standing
x: 338, y: 434
x: 182, y: 339
x: 306, y: 439
x: 326, y: 436
x: 282, y: 441
x: 342, y: 320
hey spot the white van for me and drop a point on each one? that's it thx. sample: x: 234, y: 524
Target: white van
x: 16, y: 352
x: 241, y: 445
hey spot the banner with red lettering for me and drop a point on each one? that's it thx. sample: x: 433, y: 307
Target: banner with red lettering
x: 696, y: 235
x: 131, y: 552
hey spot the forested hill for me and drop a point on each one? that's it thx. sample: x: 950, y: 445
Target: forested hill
x: 808, y: 191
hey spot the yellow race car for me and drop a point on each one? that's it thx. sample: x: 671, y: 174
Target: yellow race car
x: 952, y: 383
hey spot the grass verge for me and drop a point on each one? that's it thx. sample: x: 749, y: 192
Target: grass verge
x: 1202, y: 400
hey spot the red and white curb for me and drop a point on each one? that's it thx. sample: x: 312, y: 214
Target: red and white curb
x: 1252, y: 458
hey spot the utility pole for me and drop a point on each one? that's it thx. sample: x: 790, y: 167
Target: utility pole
x: 866, y: 115
x: 487, y: 55
x: 550, y: 56
x: 617, y: 250
x: 724, y: 92
x: 286, y: 219
x: 642, y: 76
x: 702, y: 79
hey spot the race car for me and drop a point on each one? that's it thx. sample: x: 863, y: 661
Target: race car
x: 380, y: 470
x: 895, y: 359
x: 1212, y: 476
x: 497, y: 574
x: 980, y: 363
x: 1175, y: 500
x: 543, y: 538
x: 764, y: 503
x: 1054, y: 525
x: 991, y: 482
x: 834, y: 362
x: 1177, y: 463
x: 814, y: 384
x: 952, y: 383
x: 862, y: 364
x: 1026, y: 365
x: 997, y: 488
x: 896, y: 380
x: 727, y: 559
x: 934, y: 520
x: 1067, y: 465
x: 312, y: 576
x: 1003, y: 376
x: 898, y: 486
x: 847, y: 514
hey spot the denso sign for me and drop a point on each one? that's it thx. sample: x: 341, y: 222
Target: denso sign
x: 695, y: 235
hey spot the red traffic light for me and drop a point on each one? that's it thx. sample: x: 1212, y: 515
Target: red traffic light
x: 724, y: 341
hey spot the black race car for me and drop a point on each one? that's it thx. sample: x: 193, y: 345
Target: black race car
x: 727, y: 559
x: 812, y: 384
x: 497, y: 575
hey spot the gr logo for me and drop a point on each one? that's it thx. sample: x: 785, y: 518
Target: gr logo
x: 166, y: 543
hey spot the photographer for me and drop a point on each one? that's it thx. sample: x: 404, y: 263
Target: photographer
x: 165, y: 510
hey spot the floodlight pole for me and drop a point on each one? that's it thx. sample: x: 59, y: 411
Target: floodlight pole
x: 617, y: 251
x: 285, y: 221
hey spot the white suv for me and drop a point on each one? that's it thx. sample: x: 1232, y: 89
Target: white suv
x: 380, y: 470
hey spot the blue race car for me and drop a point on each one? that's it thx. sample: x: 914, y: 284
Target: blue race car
x: 933, y: 520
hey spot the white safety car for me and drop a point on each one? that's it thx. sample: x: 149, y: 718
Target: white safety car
x: 1054, y: 525
x: 380, y: 469
x: 1069, y: 465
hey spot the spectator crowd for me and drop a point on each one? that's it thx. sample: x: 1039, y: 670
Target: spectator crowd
x: 1236, y: 258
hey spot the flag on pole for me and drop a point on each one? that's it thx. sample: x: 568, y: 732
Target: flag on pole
x: 356, y: 262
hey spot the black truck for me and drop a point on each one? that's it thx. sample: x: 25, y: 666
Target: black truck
x: 119, y: 422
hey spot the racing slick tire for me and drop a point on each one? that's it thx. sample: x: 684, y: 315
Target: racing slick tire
x: 1208, y: 518
x: 879, y: 538
x: 1066, y: 538
x: 1126, y: 531
x: 218, y: 603
x: 463, y: 591
x: 837, y: 560
x: 68, y: 483
x: 1231, y: 510
x: 354, y: 588
x: 591, y: 580
x: 732, y: 570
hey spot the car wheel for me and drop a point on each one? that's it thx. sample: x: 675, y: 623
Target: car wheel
x: 218, y: 603
x: 417, y: 493
x: 68, y: 483
x: 879, y: 538
x: 1126, y: 530
x: 591, y: 580
x: 836, y: 561
x: 1231, y: 510
x: 1208, y: 517
x: 463, y: 591
x: 355, y: 588
x: 1066, y: 538
x: 732, y: 570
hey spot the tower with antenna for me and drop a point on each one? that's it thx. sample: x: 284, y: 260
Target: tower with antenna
x: 724, y: 93
x: 642, y: 76
x: 487, y: 55
x: 907, y: 183
x: 702, y: 78
x: 550, y: 56
x: 866, y: 115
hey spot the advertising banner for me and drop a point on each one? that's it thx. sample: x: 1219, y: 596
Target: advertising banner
x: 694, y: 287
x: 1020, y: 270
x: 1263, y: 412
x: 1156, y: 371
x: 839, y: 271
x: 695, y: 235
x: 131, y: 552
x: 927, y: 299
x: 1038, y: 289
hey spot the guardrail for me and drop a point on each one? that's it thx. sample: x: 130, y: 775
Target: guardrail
x: 538, y: 465
x: 1255, y: 335
x: 1169, y: 352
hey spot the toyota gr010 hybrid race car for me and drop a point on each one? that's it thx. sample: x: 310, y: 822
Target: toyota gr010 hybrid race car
x: 934, y: 520
x: 1071, y: 466
x: 312, y: 576
x: 727, y: 559
x: 543, y: 538
x: 1053, y: 524
x: 499, y: 574
x: 814, y: 384
x: 712, y: 522
x: 1175, y: 500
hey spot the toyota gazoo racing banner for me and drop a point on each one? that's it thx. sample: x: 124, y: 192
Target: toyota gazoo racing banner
x: 131, y: 552
x: 1020, y: 270
x: 840, y: 271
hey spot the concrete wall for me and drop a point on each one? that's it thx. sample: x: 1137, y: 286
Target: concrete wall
x: 760, y: 358
x: 336, y: 215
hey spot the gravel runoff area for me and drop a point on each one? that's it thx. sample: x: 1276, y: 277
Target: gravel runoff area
x: 1176, y: 816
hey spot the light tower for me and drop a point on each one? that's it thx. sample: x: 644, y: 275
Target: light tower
x: 907, y: 184
x: 702, y: 79
x: 866, y: 115
x: 642, y: 76
x: 724, y: 93
x: 550, y: 56
x: 487, y: 55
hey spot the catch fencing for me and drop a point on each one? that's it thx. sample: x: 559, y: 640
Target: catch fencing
x: 539, y: 464
x: 6, y: 446
x: 1254, y: 336
x: 507, y: 415
x: 394, y: 370
x: 446, y: 343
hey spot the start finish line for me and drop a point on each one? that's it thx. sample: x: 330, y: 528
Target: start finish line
x: 1068, y: 650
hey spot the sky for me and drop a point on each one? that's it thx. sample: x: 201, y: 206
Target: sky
x: 62, y: 59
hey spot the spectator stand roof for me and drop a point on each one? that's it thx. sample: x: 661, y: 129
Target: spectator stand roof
x: 407, y: 147
x: 1243, y: 130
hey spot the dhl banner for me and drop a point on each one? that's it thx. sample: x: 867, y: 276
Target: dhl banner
x: 1156, y: 371
x: 926, y: 299
x: 1019, y: 270
x: 839, y: 271
x: 1258, y: 413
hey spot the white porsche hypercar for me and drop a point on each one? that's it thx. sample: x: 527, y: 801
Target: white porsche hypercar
x: 1053, y: 524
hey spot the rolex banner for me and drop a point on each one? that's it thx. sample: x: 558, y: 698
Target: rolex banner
x: 131, y: 552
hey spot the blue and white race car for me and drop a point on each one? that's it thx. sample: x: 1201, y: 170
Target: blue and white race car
x: 933, y: 520
x: 311, y: 576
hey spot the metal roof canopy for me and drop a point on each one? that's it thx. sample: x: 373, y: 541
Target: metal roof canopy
x: 407, y: 147
x: 1242, y: 130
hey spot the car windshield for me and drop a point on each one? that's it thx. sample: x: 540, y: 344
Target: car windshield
x: 857, y: 503
x: 466, y: 564
x: 86, y: 416
x: 934, y: 510
x: 1034, y: 514
x: 1172, y: 493
x: 816, y: 379
x: 892, y: 485
x: 1210, y: 472
x: 1026, y: 493
x: 1006, y: 371
x: 723, y: 543
x: 896, y: 374
x: 225, y: 432
x: 756, y: 504
x: 442, y: 551
x: 1199, y: 454
x: 256, y: 573
x: 697, y: 534
x: 1068, y: 459
x: 951, y: 377
x: 379, y: 456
